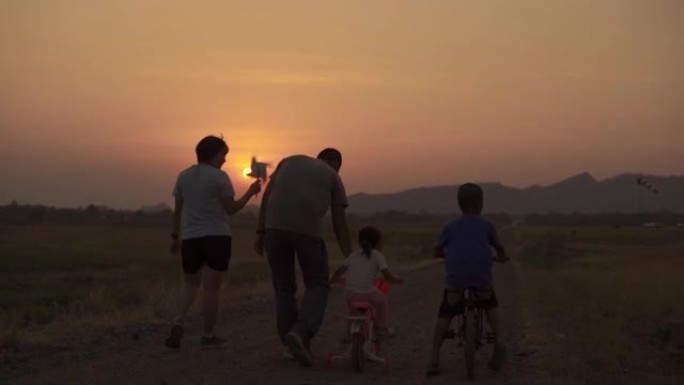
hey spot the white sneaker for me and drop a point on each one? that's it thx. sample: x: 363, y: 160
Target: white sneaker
x: 299, y: 349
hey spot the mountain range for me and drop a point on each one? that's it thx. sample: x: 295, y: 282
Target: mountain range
x: 581, y: 193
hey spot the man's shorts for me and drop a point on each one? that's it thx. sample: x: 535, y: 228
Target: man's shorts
x: 453, y: 302
x: 213, y: 251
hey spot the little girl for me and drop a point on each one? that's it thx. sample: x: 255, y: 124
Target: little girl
x: 362, y: 266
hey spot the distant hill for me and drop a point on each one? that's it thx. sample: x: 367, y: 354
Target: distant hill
x: 581, y: 194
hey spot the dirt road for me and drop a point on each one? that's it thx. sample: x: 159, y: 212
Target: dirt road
x: 254, y: 355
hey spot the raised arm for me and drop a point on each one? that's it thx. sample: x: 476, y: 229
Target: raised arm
x: 233, y: 206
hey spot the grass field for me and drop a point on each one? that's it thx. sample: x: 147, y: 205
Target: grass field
x: 59, y: 283
x: 601, y: 304
x: 606, y: 304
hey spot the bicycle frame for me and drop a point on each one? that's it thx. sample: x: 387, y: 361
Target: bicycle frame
x: 473, y: 306
x: 470, y: 329
x: 363, y: 343
x: 364, y: 325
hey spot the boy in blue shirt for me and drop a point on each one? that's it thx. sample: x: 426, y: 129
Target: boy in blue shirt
x: 466, y: 245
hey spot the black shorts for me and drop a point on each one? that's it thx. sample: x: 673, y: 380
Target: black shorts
x: 452, y: 301
x: 213, y: 251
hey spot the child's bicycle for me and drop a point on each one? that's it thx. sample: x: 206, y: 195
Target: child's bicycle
x: 470, y: 325
x: 364, y: 344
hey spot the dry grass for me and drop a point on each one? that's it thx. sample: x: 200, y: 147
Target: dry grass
x: 60, y: 282
x: 606, y: 303
x: 603, y: 304
x: 66, y: 283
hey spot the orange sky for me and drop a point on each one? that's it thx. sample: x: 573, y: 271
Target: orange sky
x: 103, y: 102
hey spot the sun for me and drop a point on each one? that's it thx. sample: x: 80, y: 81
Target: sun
x: 246, y: 171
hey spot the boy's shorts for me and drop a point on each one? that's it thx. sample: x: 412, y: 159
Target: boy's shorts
x: 453, y: 304
x: 213, y: 251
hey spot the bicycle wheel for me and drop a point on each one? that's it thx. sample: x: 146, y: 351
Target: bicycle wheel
x: 357, y: 356
x: 469, y: 343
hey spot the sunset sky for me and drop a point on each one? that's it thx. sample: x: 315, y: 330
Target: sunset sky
x: 103, y: 102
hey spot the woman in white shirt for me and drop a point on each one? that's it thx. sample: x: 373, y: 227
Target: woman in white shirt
x: 204, y: 200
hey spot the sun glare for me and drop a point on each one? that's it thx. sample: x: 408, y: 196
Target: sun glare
x: 246, y: 171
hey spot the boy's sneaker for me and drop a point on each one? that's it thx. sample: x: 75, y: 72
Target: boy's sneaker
x: 212, y: 342
x: 174, y: 339
x: 433, y: 370
x: 299, y: 349
x: 498, y: 358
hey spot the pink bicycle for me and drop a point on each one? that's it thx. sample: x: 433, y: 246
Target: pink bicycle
x: 364, y: 345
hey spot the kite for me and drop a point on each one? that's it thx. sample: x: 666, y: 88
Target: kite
x: 645, y: 183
